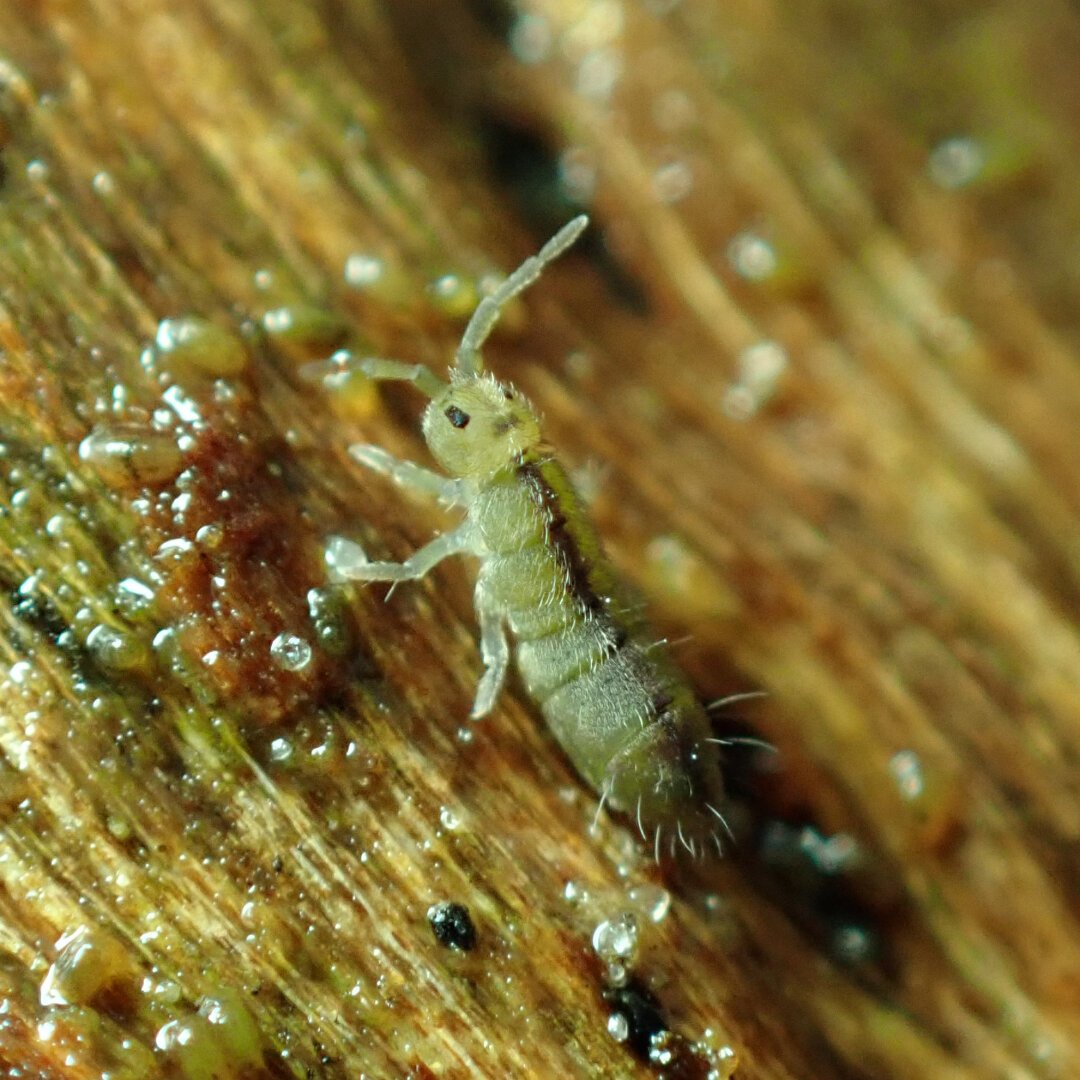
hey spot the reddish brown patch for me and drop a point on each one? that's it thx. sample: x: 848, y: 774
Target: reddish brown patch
x: 228, y: 599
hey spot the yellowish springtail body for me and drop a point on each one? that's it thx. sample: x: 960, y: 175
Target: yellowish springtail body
x: 613, y: 698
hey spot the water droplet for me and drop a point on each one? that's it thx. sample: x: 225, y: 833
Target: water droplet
x: 235, y: 1030
x: 616, y: 939
x: 281, y: 749
x: 130, y: 453
x: 853, y: 944
x: 362, y: 271
x: 652, y: 900
x: 191, y: 344
x: 448, y: 819
x: 600, y: 23
x: 830, y: 854
x: 906, y: 769
x: 661, y: 1053
x: 714, y: 903
x: 598, y: 73
x: 453, y: 295
x: 331, y: 619
x: 672, y: 181
x: 530, y: 39
x: 575, y: 893
x: 133, y: 598
x: 760, y: 368
x: 752, y: 257
x: 116, y: 650
x: 192, y: 1044
x: 88, y: 960
x: 725, y: 1062
x: 577, y: 173
x: 103, y: 184
x: 209, y: 536
x: 305, y: 330
x: 617, y: 975
x: 579, y: 365
x: 290, y: 652
x: 618, y: 1027
x: 118, y: 828
x: 956, y: 161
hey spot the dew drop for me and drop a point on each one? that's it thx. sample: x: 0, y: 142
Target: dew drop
x: 304, y: 330
x: 760, y: 367
x: 531, y: 39
x: 118, y: 827
x: 235, y: 1029
x: 116, y: 650
x: 103, y: 184
x: 617, y: 975
x: 87, y: 961
x: 598, y: 74
x: 752, y: 257
x: 362, y: 271
x: 453, y: 295
x: 129, y: 453
x: 577, y: 174
x: 193, y: 1046
x: 672, y: 181
x: 853, y: 944
x: 331, y: 619
x: 829, y: 854
x: 133, y: 597
x: 956, y: 162
x: 281, y: 750
x: 575, y: 893
x: 290, y: 652
x: 600, y: 23
x: 615, y: 940
x: 652, y: 900
x: 210, y: 537
x: 191, y: 344
x: 618, y: 1027
x: 906, y: 769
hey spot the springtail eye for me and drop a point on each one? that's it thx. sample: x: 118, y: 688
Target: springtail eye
x: 456, y: 417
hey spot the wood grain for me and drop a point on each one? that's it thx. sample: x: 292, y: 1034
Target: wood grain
x: 816, y: 365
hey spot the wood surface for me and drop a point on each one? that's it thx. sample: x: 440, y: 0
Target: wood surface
x: 816, y: 366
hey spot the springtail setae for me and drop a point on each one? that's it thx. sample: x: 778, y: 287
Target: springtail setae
x: 610, y: 692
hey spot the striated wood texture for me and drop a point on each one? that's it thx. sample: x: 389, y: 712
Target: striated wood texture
x: 816, y: 365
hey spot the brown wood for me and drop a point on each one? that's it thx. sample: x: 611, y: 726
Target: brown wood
x: 818, y: 359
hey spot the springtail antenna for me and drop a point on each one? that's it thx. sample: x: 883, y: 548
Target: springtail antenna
x: 486, y: 315
x: 343, y: 363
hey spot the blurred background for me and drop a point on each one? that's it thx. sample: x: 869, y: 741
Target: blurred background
x: 814, y: 367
